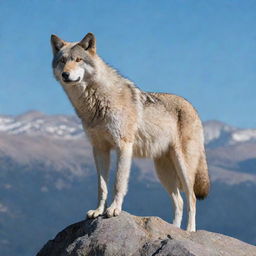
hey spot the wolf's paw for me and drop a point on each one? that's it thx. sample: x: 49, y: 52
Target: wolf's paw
x: 113, y: 211
x: 94, y: 213
x: 191, y: 229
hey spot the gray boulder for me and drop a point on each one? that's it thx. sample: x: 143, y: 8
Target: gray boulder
x: 136, y: 236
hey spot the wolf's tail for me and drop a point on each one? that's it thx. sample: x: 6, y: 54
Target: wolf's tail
x: 202, y: 179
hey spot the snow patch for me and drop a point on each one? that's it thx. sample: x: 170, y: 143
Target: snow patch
x: 244, y: 135
x: 63, y: 127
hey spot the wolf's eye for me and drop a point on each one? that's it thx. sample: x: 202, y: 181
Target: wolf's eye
x: 78, y: 59
x: 63, y: 60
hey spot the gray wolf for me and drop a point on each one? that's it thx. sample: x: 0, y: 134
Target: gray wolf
x: 117, y: 115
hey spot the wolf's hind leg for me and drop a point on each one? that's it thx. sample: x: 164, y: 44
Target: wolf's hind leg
x: 187, y: 181
x: 169, y: 179
x: 102, y: 159
x: 178, y: 206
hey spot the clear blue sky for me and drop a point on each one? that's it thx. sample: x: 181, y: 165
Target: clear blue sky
x: 202, y: 50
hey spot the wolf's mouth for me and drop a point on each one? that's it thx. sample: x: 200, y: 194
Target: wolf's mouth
x: 71, y: 81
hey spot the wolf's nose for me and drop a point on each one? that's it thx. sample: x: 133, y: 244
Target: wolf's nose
x: 65, y: 75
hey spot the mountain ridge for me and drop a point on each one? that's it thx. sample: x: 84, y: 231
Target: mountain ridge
x: 69, y: 127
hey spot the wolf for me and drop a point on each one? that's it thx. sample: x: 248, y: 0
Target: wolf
x: 117, y: 115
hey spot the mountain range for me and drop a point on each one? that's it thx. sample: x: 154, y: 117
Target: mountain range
x: 69, y: 127
x: 48, y: 180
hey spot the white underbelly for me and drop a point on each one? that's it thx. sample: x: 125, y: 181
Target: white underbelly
x: 152, y: 143
x: 155, y: 133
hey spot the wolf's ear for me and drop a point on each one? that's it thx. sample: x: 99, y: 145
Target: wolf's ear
x: 56, y: 43
x: 89, y: 43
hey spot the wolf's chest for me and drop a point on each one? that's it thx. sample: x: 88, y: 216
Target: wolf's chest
x: 109, y: 130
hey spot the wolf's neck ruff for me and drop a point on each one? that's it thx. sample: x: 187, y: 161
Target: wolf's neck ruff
x: 92, y: 99
x: 91, y: 106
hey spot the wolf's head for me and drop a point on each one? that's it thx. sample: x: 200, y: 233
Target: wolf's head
x: 74, y: 62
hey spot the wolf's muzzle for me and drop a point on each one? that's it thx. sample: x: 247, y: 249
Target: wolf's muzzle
x: 65, y: 75
x: 66, y: 79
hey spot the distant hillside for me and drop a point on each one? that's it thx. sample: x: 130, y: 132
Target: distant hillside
x: 48, y: 181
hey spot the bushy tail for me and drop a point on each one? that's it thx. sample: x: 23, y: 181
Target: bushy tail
x: 202, y: 180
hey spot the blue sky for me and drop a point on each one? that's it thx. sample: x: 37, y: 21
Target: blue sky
x: 202, y: 50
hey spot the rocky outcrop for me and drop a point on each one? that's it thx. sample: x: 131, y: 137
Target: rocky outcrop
x: 137, y: 236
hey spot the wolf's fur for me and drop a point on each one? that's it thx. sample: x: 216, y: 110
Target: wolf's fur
x: 117, y: 115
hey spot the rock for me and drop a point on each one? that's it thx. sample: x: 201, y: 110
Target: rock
x: 138, y: 236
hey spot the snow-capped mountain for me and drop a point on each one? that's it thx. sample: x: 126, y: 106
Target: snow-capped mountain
x: 220, y: 134
x: 36, y: 123
x: 214, y: 130
x: 69, y: 127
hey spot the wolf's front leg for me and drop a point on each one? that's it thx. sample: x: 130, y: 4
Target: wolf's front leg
x: 124, y: 158
x: 101, y: 158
